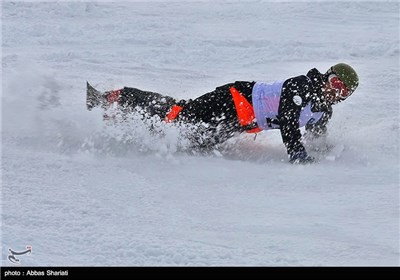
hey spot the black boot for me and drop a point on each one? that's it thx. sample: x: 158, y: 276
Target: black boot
x: 95, y: 98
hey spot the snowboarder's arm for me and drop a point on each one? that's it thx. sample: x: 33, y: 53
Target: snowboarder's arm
x: 316, y: 129
x: 294, y: 96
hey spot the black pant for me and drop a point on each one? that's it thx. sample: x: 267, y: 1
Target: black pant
x: 212, y: 117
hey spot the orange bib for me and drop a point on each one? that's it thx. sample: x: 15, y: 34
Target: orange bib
x: 244, y: 110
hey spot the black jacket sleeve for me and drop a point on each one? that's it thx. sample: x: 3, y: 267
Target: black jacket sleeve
x: 296, y: 93
x: 319, y: 104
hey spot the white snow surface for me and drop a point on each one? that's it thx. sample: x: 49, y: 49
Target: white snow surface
x: 82, y: 192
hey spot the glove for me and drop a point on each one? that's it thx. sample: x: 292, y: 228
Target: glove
x: 301, y: 158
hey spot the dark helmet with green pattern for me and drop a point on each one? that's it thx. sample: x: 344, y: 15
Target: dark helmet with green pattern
x: 346, y: 74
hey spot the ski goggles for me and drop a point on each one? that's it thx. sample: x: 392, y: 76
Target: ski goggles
x: 338, y: 86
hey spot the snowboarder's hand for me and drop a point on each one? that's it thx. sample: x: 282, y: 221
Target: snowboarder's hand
x: 301, y: 158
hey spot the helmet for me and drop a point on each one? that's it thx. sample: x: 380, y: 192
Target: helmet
x: 346, y: 74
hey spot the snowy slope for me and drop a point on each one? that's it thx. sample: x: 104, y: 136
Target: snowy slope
x: 85, y: 193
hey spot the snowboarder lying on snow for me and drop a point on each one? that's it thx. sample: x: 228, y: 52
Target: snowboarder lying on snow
x: 250, y: 107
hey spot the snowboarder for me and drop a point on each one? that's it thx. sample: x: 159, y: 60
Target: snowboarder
x: 244, y: 106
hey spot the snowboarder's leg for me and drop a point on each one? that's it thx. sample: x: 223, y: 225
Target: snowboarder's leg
x: 215, y: 115
x: 129, y: 99
x: 151, y: 102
